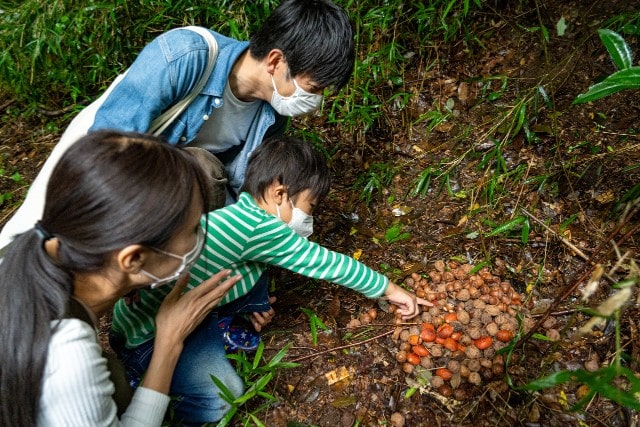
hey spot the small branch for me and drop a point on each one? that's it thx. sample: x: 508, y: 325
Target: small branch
x: 555, y: 233
x: 6, y: 104
x: 60, y: 112
x: 565, y: 241
x: 342, y: 347
x: 599, y: 253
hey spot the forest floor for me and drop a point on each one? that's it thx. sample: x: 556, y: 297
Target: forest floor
x: 562, y: 178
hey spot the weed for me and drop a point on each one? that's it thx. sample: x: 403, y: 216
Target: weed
x: 520, y: 222
x: 615, y: 381
x: 378, y: 177
x: 627, y: 76
x: 256, y: 377
x: 7, y: 196
x: 395, y: 234
x: 314, y: 323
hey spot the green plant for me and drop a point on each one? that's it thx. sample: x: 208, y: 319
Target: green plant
x: 378, y: 177
x: 627, y: 76
x: 395, y: 234
x: 60, y: 52
x: 615, y: 381
x: 520, y: 222
x: 256, y: 377
x: 314, y: 323
x: 7, y: 196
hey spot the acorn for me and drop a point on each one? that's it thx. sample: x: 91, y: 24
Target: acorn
x: 445, y: 390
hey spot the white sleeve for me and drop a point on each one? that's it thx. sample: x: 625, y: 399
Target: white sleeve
x: 77, y: 390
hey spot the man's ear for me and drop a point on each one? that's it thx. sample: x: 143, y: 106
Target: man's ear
x: 132, y: 258
x: 274, y: 58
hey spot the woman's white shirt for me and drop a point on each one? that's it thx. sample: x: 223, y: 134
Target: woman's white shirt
x: 77, y: 390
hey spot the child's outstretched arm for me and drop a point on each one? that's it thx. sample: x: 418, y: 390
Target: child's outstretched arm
x: 406, y: 301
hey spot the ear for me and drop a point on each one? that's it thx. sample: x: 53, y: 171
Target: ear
x: 278, y: 193
x: 274, y: 58
x: 132, y: 258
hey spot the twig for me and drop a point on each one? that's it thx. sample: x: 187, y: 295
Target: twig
x: 6, y: 104
x: 60, y: 112
x: 342, y: 347
x: 555, y: 233
x: 588, y: 271
x: 565, y: 241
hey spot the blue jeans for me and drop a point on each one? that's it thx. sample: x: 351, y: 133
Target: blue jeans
x: 196, y: 399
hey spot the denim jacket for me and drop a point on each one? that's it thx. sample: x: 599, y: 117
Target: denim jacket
x: 164, y: 72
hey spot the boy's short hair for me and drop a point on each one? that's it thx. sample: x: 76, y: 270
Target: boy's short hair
x: 291, y: 162
x: 316, y: 38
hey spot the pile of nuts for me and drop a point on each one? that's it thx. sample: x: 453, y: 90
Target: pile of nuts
x: 473, y: 316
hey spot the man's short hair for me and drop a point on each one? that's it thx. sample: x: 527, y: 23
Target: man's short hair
x: 291, y: 162
x: 316, y: 38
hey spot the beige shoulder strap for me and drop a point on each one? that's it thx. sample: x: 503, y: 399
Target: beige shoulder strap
x: 165, y: 119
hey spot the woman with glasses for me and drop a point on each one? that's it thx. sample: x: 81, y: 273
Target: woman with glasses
x: 107, y: 231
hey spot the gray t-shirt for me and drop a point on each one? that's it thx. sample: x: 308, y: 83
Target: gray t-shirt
x: 229, y: 124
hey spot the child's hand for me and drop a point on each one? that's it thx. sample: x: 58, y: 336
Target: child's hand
x: 406, y: 301
x: 259, y: 320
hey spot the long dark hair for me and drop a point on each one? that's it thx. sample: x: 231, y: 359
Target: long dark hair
x: 109, y: 190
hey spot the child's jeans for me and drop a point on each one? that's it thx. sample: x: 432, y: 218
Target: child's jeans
x: 196, y: 398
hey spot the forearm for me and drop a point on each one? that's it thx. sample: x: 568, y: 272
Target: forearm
x: 162, y: 365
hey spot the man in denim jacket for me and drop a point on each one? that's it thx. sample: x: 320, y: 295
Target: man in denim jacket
x: 304, y: 47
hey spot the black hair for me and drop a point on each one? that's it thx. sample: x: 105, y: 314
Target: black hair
x: 291, y: 162
x: 109, y: 190
x: 316, y: 38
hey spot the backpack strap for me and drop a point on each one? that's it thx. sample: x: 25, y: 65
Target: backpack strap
x: 123, y: 391
x: 165, y: 119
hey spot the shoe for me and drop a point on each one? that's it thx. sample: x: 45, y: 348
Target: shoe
x: 237, y: 337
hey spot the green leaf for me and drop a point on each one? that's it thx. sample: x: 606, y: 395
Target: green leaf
x: 561, y: 26
x: 545, y: 33
x: 520, y: 119
x: 478, y: 267
x: 618, y: 49
x: 507, y: 226
x: 224, y: 390
x: 410, y: 392
x: 549, y: 381
x: 620, y: 80
x: 525, y: 231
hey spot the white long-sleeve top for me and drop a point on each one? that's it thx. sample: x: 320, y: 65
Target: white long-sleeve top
x: 77, y: 390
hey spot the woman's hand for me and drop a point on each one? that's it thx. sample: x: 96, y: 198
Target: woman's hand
x: 181, y: 313
x: 177, y: 317
x: 406, y: 301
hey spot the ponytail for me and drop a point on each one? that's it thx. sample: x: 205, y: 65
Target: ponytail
x: 33, y: 292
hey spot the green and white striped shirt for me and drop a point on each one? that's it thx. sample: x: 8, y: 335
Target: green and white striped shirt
x: 246, y: 239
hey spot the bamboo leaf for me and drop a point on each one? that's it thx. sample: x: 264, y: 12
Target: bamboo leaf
x: 549, y: 381
x: 507, y: 226
x: 520, y: 119
x: 525, y: 231
x: 618, y: 49
x: 620, y: 80
x: 478, y: 267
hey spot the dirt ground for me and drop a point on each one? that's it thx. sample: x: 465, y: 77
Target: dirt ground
x: 589, y: 155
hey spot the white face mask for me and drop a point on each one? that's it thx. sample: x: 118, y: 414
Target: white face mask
x: 188, y: 260
x: 301, y: 222
x: 299, y: 103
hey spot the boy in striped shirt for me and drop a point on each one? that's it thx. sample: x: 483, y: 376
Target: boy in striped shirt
x: 267, y: 226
